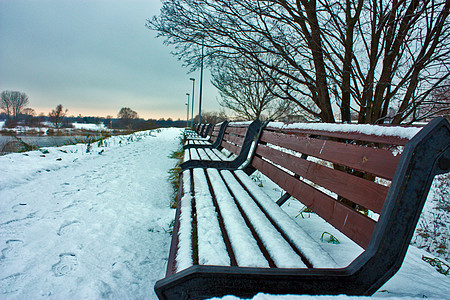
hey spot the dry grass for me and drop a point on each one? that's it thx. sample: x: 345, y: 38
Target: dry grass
x: 174, y: 174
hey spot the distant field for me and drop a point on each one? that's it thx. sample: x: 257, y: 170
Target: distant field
x: 20, y: 138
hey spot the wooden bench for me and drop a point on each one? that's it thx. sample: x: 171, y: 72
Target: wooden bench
x: 205, y: 131
x: 213, y: 140
x: 237, y: 139
x: 196, y: 132
x: 369, y: 182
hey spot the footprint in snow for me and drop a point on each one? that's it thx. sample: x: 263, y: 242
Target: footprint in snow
x: 10, y: 283
x: 67, y: 264
x: 11, y: 248
x: 104, y: 289
x: 67, y: 227
x: 18, y: 206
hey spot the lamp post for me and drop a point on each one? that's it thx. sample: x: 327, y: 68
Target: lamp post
x: 187, y: 112
x: 192, y: 112
x: 200, y: 96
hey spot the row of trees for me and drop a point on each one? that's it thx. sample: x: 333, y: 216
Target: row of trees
x: 126, y: 118
x: 380, y: 61
x: 14, y: 103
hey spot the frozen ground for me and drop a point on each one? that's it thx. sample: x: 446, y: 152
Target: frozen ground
x: 93, y: 222
x: 86, y: 225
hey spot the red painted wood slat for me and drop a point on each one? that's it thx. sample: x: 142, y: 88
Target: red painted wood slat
x: 353, y: 224
x: 236, y: 130
x: 378, y: 162
x: 358, y: 190
x: 390, y: 140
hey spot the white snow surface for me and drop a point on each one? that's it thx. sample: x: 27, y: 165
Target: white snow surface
x: 397, y: 131
x: 89, y: 126
x: 184, y: 252
x: 77, y: 225
x: 211, y: 250
x: 242, y: 241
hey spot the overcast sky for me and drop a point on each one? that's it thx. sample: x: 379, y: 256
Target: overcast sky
x: 93, y: 57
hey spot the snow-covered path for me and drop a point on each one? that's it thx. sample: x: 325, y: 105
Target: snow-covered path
x: 86, y: 225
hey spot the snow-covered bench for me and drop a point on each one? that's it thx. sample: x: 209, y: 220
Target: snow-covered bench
x: 369, y: 182
x: 205, y: 130
x: 236, y: 140
x: 196, y: 133
x: 213, y: 140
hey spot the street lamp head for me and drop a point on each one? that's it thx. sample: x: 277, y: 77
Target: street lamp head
x: 187, y: 94
x: 193, y: 79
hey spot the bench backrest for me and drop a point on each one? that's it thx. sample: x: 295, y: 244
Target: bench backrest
x: 201, y: 128
x: 205, y: 128
x: 215, y: 133
x: 339, y: 175
x: 233, y: 138
x: 196, y: 127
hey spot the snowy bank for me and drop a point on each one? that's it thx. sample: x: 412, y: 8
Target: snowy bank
x: 91, y: 127
x: 86, y: 221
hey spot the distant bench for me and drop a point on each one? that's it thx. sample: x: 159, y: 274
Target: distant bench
x: 201, y: 132
x: 231, y: 238
x: 235, y: 137
x: 208, y: 141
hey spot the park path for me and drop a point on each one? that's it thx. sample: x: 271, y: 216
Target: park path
x: 87, y: 225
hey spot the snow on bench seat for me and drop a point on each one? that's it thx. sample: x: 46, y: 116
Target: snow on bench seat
x: 205, y: 154
x: 250, y: 226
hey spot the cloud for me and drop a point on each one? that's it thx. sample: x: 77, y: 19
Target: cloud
x: 91, y: 54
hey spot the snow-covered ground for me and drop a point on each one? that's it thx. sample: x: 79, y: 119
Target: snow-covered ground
x: 93, y: 221
x: 86, y: 225
x: 92, y: 127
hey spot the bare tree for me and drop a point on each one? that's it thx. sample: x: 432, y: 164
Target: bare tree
x: 5, y: 104
x: 436, y: 105
x: 333, y: 57
x: 246, y: 90
x: 13, y: 102
x: 127, y: 113
x: 126, y: 116
x: 212, y: 117
x: 29, y: 116
x: 57, y: 115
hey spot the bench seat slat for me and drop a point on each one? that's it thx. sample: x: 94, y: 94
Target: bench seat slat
x: 356, y: 189
x: 187, y: 155
x: 379, y: 162
x: 217, y: 153
x: 203, y: 155
x: 309, y: 247
x: 245, y: 247
x: 193, y: 154
x: 210, y: 154
x: 211, y: 247
x: 359, y: 227
x: 184, y: 253
x: 278, y: 248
